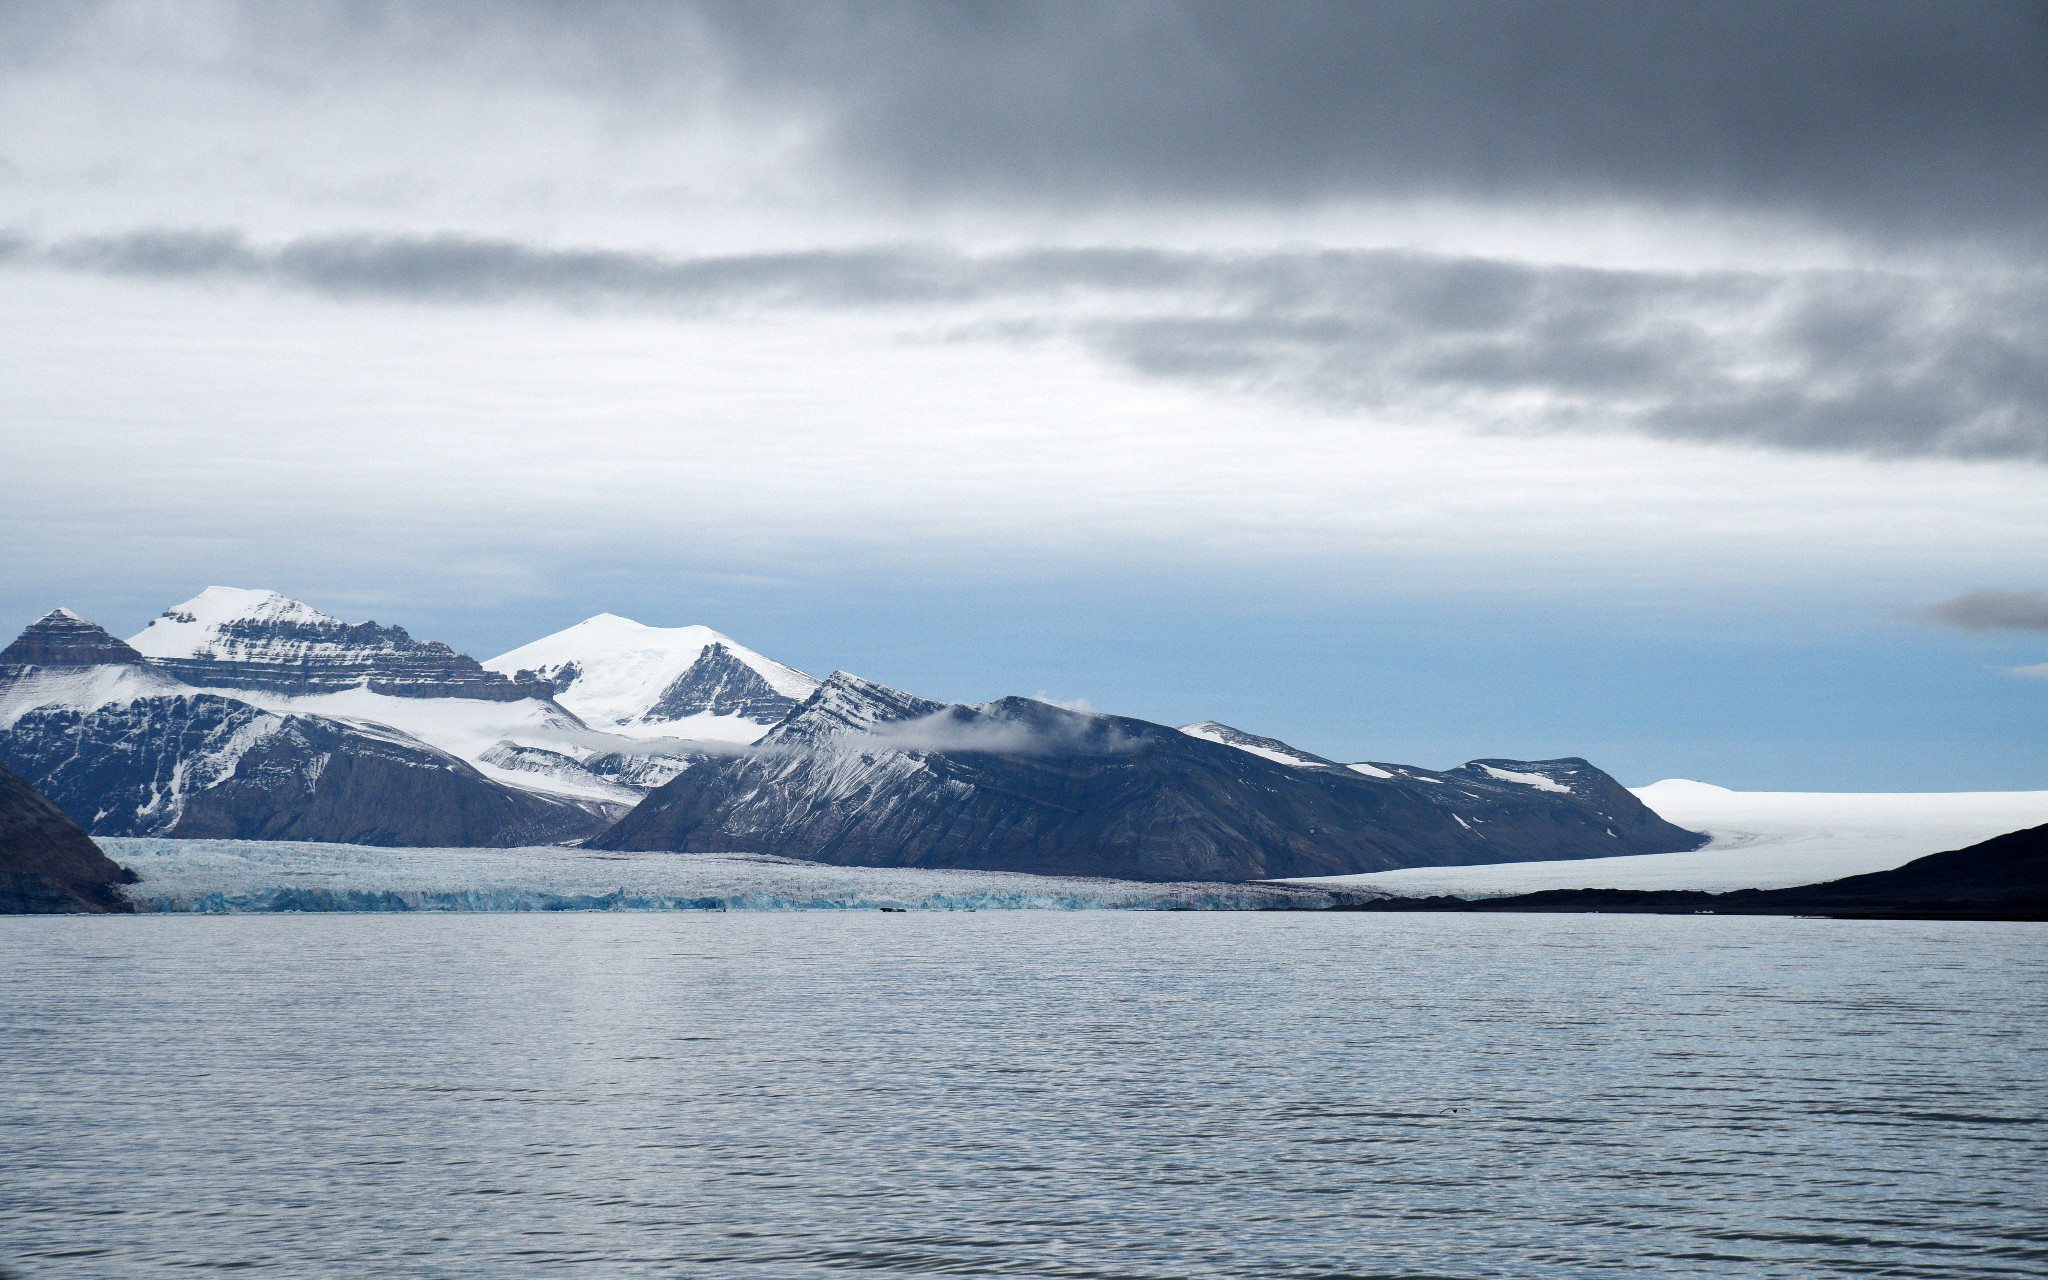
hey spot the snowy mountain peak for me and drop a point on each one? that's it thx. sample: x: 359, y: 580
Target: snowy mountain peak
x: 194, y: 627
x: 1266, y: 748
x: 228, y: 637
x: 630, y: 678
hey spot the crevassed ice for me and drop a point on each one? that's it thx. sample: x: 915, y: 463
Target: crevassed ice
x: 261, y: 876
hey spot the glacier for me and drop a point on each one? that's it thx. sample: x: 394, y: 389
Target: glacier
x: 1761, y: 840
x: 235, y: 876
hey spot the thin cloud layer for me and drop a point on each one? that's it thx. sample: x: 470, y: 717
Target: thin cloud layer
x: 1880, y: 363
x: 1989, y: 610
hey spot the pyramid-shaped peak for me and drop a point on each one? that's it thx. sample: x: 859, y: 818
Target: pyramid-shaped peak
x: 60, y: 638
x: 183, y: 628
x: 846, y: 703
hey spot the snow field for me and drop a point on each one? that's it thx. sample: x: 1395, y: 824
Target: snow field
x: 1762, y: 840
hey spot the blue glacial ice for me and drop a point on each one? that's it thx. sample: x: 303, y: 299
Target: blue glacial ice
x: 225, y: 876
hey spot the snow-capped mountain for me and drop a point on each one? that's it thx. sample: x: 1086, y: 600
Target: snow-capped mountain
x: 249, y: 714
x: 127, y: 748
x: 865, y: 775
x: 227, y: 716
x: 227, y: 638
x: 624, y: 677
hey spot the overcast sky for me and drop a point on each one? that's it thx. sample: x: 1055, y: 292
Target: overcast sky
x: 1664, y: 384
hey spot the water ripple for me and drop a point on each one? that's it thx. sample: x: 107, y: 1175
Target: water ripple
x: 1109, y: 1095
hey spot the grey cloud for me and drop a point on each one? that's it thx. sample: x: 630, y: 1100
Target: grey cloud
x: 1879, y: 363
x: 1892, y: 115
x: 1876, y: 114
x: 1988, y: 610
x: 968, y: 729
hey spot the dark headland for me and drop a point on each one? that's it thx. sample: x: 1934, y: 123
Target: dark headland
x: 2004, y: 878
x: 47, y: 862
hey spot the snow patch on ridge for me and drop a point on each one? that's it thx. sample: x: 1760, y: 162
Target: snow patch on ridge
x: 1535, y: 780
x: 1265, y: 748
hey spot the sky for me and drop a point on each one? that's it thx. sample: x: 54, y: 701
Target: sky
x: 1664, y: 384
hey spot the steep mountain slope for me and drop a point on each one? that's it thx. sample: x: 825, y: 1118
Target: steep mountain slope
x: 289, y: 658
x: 47, y: 863
x: 866, y: 775
x: 676, y: 682
x: 128, y: 749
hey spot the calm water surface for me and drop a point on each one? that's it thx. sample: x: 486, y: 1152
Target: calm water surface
x: 1030, y: 1094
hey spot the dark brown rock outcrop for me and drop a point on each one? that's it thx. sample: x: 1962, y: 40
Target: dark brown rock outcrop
x: 60, y: 638
x: 47, y: 862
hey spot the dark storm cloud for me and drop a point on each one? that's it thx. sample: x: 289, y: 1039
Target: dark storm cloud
x: 1989, y: 610
x: 1874, y: 111
x: 1877, y: 363
x: 1878, y: 115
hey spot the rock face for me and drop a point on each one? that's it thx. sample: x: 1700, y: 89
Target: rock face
x: 318, y: 779
x: 47, y: 863
x: 208, y: 766
x: 60, y: 638
x: 719, y: 684
x: 868, y: 776
x: 225, y: 638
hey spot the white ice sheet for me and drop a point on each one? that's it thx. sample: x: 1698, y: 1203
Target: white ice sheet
x: 260, y: 875
x: 1762, y: 840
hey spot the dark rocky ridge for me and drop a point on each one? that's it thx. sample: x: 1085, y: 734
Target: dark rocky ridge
x: 324, y: 780
x: 47, y: 863
x: 60, y: 638
x: 863, y: 775
x: 718, y: 683
x: 295, y: 657
x: 2004, y: 878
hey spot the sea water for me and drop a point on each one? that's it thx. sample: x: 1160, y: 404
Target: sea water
x: 1104, y: 1094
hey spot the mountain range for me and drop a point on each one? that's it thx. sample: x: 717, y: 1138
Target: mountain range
x: 246, y: 714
